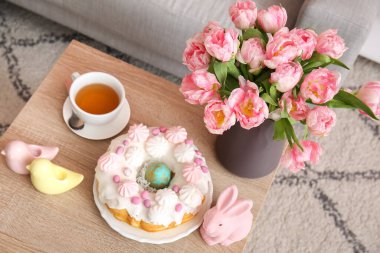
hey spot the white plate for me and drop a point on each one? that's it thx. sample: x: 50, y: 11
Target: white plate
x: 141, y: 235
x: 99, y: 132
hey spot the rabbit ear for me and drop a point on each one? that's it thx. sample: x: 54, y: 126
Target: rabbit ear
x: 240, y: 207
x: 227, y: 198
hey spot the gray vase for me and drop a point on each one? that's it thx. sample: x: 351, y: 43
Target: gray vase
x: 249, y: 153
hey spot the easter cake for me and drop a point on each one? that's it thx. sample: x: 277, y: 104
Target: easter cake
x: 153, y: 178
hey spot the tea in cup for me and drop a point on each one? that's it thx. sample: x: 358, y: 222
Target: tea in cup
x: 96, y: 97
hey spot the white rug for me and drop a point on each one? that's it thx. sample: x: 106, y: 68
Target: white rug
x: 332, y: 207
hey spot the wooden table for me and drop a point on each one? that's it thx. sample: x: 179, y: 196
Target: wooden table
x: 33, y: 222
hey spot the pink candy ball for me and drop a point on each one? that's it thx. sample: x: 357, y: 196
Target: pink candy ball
x: 198, y: 161
x: 125, y: 142
x: 136, y: 200
x: 163, y: 129
x: 155, y: 131
x: 204, y: 169
x: 144, y: 194
x: 175, y: 188
x: 119, y: 150
x: 189, y: 142
x: 116, y: 179
x: 178, y: 207
x: 147, y: 203
x: 198, y: 152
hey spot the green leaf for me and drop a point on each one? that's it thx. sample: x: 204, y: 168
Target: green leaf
x: 305, y: 132
x: 316, y: 61
x: 353, y: 101
x: 220, y: 69
x: 317, y: 57
x: 231, y: 83
x: 289, y: 131
x: 279, y: 131
x: 263, y: 76
x: 339, y: 63
x: 264, y: 34
x: 232, y: 69
x: 268, y: 99
x: 295, y: 95
x: 266, y: 85
x: 252, y: 33
x: 211, y: 66
x: 244, y: 70
x: 273, y: 92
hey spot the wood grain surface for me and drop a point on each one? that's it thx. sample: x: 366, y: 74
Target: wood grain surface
x: 33, y: 222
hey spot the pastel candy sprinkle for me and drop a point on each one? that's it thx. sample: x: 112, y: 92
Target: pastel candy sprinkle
x: 163, y: 129
x: 156, y: 131
x: 204, y: 169
x: 116, y: 179
x: 198, y: 161
x: 119, y: 150
x: 178, y: 207
x: 144, y: 195
x: 147, y: 203
x: 136, y: 200
x: 188, y: 142
x: 175, y: 188
x: 198, y: 152
x: 125, y: 142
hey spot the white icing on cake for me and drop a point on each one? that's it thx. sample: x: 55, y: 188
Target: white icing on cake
x: 134, y: 156
x: 191, y: 196
x: 184, y: 153
x: 139, y: 152
x: 166, y: 198
x: 157, y: 146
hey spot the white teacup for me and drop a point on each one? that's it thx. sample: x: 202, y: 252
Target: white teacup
x: 91, y: 78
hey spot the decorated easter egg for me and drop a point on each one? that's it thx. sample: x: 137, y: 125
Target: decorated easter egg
x: 158, y: 175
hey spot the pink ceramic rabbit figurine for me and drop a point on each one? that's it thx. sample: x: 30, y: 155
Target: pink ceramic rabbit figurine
x: 229, y: 221
x: 19, y: 154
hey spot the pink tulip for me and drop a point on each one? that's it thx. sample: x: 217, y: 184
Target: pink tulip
x: 252, y: 52
x: 250, y: 109
x: 218, y: 117
x: 195, y: 56
x: 294, y: 158
x: 281, y: 48
x: 243, y: 14
x: 222, y: 43
x: 320, y: 85
x: 320, y: 120
x: 273, y: 19
x: 369, y: 93
x: 211, y: 26
x: 286, y: 76
x: 331, y: 44
x: 297, y: 108
x: 307, y: 40
x: 200, y: 87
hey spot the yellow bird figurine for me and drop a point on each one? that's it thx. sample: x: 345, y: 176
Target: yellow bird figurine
x: 50, y: 178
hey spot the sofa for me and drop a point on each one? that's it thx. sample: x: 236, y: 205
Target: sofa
x: 156, y: 31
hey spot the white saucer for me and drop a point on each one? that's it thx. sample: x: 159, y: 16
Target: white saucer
x: 99, y: 132
x: 161, y: 237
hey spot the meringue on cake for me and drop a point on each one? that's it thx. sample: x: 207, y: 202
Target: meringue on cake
x: 153, y: 178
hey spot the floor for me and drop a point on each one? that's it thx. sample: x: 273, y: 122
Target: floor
x: 331, y: 207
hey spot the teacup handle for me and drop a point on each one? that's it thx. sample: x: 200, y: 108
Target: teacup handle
x: 74, y: 75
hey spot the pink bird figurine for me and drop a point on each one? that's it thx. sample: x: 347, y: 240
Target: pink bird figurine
x: 19, y: 154
x: 229, y: 221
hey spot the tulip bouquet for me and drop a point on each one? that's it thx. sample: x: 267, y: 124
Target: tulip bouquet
x: 266, y: 71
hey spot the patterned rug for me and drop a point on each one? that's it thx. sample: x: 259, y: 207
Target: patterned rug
x: 332, y: 207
